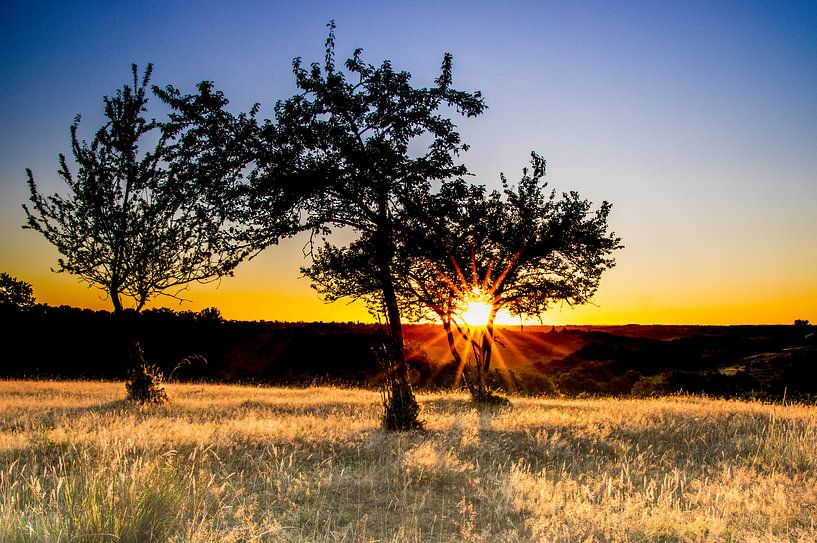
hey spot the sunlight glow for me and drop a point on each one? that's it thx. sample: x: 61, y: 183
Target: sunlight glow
x: 476, y: 313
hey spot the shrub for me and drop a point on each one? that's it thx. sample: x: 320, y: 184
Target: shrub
x: 400, y: 408
x: 650, y: 385
x: 145, y: 384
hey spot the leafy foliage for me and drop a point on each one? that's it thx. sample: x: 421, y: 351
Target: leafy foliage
x: 137, y: 223
x: 343, y: 144
x: 338, y: 156
x: 523, y: 246
x: 522, y: 249
x: 15, y: 293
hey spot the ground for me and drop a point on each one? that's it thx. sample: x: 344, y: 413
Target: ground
x: 232, y: 463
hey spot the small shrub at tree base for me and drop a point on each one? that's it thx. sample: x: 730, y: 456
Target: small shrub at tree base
x: 489, y: 398
x: 400, y: 408
x: 145, y: 384
x: 482, y: 394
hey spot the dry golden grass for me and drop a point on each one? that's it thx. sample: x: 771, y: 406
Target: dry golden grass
x: 231, y: 463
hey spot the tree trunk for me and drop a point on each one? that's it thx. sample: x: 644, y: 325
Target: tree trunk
x: 115, y: 300
x: 488, y: 339
x: 452, y: 346
x: 383, y: 261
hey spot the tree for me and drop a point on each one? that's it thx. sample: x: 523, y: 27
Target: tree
x: 528, y: 250
x: 522, y: 249
x: 14, y: 293
x: 138, y: 224
x: 338, y: 153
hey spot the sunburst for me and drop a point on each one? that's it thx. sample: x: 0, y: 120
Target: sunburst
x: 477, y: 313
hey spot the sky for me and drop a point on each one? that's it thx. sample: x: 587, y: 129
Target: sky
x: 697, y: 120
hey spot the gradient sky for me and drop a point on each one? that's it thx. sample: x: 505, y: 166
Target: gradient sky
x: 697, y: 120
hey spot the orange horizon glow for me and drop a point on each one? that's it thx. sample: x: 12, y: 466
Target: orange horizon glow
x: 270, y: 288
x: 300, y: 303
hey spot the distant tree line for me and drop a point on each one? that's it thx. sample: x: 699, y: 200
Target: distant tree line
x: 764, y: 362
x: 67, y: 342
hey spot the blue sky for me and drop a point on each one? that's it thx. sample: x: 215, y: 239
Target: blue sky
x: 698, y: 120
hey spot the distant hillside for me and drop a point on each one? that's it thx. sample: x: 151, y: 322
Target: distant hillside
x: 760, y: 361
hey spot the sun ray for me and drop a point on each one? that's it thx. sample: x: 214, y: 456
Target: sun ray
x: 512, y: 349
x: 474, y: 276
x: 501, y: 277
x: 439, y: 342
x: 459, y: 274
x: 486, y: 281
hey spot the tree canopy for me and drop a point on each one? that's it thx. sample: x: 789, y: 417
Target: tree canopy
x: 136, y: 221
x: 14, y: 293
x: 359, y: 148
x: 522, y: 249
x: 338, y: 156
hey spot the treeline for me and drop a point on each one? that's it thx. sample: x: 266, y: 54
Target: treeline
x: 764, y: 362
x: 66, y: 342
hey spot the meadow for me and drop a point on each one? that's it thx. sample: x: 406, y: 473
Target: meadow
x: 236, y: 463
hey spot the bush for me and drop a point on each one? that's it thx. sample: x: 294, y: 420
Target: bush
x: 652, y: 385
x: 400, y: 408
x: 145, y: 385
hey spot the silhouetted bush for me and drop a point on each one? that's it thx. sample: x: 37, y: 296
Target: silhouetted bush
x: 401, y: 412
x: 145, y: 384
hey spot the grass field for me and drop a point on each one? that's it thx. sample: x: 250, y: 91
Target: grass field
x: 230, y: 463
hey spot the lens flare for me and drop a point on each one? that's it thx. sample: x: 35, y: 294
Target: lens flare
x: 476, y: 313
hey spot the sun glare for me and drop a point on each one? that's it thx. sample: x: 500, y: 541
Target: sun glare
x: 476, y: 313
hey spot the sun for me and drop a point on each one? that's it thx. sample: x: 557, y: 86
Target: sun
x: 476, y: 313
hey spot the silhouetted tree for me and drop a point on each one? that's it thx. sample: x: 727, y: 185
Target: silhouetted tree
x: 136, y: 223
x: 522, y: 249
x: 339, y: 155
x: 14, y: 293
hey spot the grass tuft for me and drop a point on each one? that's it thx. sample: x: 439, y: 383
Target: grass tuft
x: 145, y: 384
